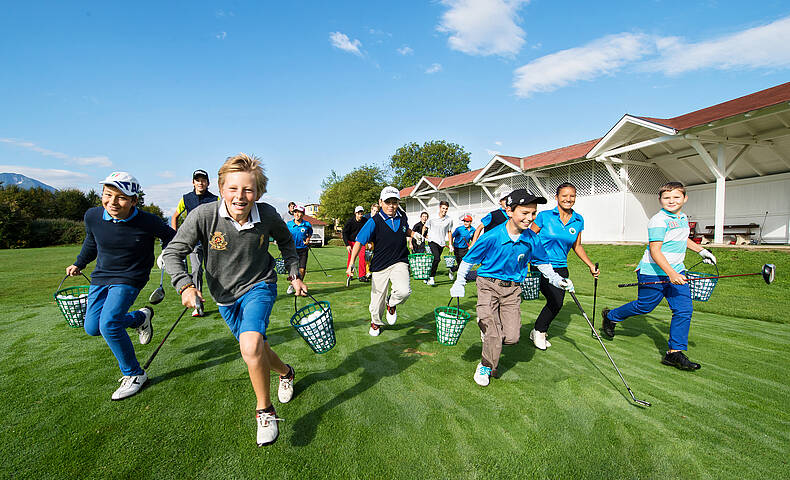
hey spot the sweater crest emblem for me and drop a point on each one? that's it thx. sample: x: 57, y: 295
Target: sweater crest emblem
x: 218, y: 241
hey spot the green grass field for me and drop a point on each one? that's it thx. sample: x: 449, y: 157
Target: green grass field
x: 400, y: 405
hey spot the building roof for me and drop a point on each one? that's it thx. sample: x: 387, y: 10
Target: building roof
x: 764, y: 98
x: 314, y: 221
x: 559, y: 155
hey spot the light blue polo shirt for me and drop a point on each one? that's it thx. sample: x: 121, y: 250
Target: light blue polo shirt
x: 487, y: 218
x: 672, y: 229
x: 502, y: 258
x: 462, y: 236
x: 108, y: 217
x: 367, y: 229
x: 300, y: 233
x: 558, y: 239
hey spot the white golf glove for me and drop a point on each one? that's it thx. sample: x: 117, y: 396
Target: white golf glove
x: 458, y: 289
x: 160, y: 262
x: 707, y: 257
x: 418, y: 238
x: 566, y: 285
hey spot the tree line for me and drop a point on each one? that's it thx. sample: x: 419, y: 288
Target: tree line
x: 362, y: 186
x: 38, y: 217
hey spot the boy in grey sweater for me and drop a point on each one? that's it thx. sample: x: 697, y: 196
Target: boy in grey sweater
x: 234, y: 234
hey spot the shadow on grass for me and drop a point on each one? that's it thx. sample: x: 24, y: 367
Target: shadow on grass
x: 377, y: 361
x: 214, y: 352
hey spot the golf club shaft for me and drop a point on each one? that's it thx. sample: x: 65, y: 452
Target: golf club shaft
x: 162, y: 278
x: 688, y: 279
x: 641, y: 402
x: 151, y: 358
x: 595, y: 297
x: 310, y: 249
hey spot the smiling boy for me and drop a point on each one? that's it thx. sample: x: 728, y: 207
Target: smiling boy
x: 668, y: 236
x: 120, y: 237
x: 234, y: 235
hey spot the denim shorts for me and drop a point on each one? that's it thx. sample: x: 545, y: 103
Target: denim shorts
x: 251, y: 311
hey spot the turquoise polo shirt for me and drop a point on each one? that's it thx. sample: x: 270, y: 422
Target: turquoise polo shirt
x: 462, y: 236
x: 558, y: 239
x: 504, y: 259
x: 300, y: 233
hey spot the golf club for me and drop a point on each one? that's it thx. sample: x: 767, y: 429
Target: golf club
x: 159, y: 294
x: 310, y: 249
x: 636, y: 400
x: 768, y: 273
x: 595, y: 297
x: 198, y: 304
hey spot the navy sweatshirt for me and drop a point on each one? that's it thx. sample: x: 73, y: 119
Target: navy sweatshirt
x: 123, y: 250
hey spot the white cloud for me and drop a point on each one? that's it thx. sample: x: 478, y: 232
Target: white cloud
x: 765, y: 46
x: 341, y: 41
x: 603, y: 56
x: 498, y: 143
x: 491, y: 153
x: 436, y: 67
x: 166, y: 174
x: 483, y: 27
x: 166, y: 195
x: 221, y: 35
x: 98, y: 160
x: 54, y: 177
x: 405, y: 50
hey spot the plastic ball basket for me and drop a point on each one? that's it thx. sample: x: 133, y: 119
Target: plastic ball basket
x: 314, y: 324
x: 73, y: 302
x: 279, y: 265
x: 449, y: 261
x: 450, y: 323
x: 530, y: 287
x: 702, y: 289
x: 420, y: 265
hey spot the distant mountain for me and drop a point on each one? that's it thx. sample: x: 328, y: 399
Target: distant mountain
x: 8, y: 179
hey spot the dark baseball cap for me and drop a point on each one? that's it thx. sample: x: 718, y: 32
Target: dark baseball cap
x: 522, y: 196
x: 199, y: 173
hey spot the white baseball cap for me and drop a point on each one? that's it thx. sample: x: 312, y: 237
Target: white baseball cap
x: 502, y: 191
x: 389, y: 192
x: 298, y: 208
x: 359, y: 209
x: 123, y: 181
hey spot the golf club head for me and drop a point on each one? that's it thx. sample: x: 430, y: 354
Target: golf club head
x: 198, y: 303
x: 769, y: 270
x: 157, y: 295
x: 642, y: 402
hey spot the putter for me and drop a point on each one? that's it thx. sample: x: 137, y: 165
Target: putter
x: 198, y: 304
x: 159, y: 294
x: 768, y: 273
x: 636, y: 400
x: 319, y: 262
x: 595, y: 297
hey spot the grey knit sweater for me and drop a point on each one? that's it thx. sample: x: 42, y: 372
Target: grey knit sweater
x: 234, y: 260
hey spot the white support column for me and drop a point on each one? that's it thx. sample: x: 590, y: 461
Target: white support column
x: 488, y: 193
x: 424, y: 206
x: 718, y: 172
x: 450, y: 199
x: 615, y: 177
x: 538, y: 183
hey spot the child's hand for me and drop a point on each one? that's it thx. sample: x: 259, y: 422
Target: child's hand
x: 594, y: 271
x: 677, y: 278
x: 73, y: 270
x: 189, y: 297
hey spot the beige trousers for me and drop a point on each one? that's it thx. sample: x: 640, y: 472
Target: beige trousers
x: 499, y: 318
x: 398, y: 276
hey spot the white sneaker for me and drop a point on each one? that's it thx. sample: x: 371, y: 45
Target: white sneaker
x: 392, y: 315
x: 197, y: 313
x: 129, y: 386
x: 450, y: 274
x: 539, y: 339
x: 375, y: 330
x: 290, y: 289
x: 482, y: 375
x: 285, y: 392
x: 146, y: 330
x: 429, y: 282
x: 267, y: 427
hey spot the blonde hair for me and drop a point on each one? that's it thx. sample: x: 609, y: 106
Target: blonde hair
x: 244, y: 163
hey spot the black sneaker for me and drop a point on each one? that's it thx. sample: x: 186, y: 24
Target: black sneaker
x: 607, y: 325
x: 679, y: 360
x: 364, y: 279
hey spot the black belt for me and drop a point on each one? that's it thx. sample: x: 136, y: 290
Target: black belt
x: 501, y: 283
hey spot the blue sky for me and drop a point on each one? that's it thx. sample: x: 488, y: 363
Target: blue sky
x: 162, y: 88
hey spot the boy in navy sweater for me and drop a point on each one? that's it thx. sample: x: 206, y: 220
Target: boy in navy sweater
x: 120, y: 237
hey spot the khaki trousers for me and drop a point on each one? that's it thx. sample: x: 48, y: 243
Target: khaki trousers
x: 499, y: 318
x: 398, y: 276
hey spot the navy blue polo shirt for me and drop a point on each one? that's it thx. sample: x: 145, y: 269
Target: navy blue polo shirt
x: 504, y: 259
x: 388, y: 234
x: 558, y: 238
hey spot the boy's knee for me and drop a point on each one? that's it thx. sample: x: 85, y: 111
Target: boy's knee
x: 251, y: 349
x: 92, y: 330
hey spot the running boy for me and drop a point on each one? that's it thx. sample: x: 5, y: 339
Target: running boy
x: 120, y: 237
x: 668, y: 236
x: 462, y: 237
x: 419, y: 247
x: 301, y: 231
x: 504, y: 254
x: 437, y: 232
x: 388, y: 230
x: 234, y: 234
x: 350, y: 231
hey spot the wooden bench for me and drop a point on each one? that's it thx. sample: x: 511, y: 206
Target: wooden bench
x: 741, y: 232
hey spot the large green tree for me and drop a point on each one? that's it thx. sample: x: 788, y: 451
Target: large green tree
x: 341, y: 194
x: 436, y: 158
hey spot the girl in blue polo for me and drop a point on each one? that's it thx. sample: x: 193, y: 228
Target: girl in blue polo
x: 560, y: 232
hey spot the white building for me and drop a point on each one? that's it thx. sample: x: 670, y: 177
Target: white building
x: 733, y: 157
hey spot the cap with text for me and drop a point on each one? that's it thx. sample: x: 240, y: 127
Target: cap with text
x: 123, y: 181
x: 522, y: 196
x: 298, y: 208
x: 389, y: 192
x: 199, y: 173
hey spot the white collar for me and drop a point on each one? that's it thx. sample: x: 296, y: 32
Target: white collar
x: 251, y: 220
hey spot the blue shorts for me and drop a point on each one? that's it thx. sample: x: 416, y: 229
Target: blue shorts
x: 250, y: 312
